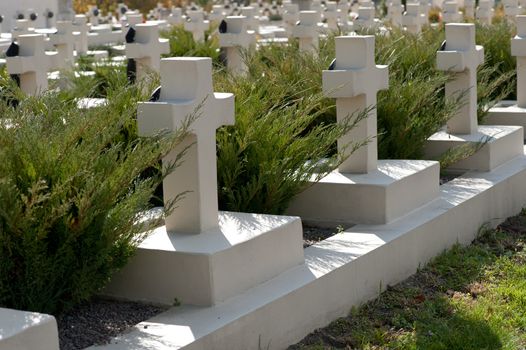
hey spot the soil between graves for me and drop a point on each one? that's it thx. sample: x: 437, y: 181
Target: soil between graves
x: 97, y: 321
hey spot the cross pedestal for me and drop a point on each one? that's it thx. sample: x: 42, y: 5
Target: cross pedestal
x: 197, y: 25
x: 461, y: 57
x: 412, y: 18
x: 306, y: 30
x: 32, y: 64
x: 147, y: 49
x: 64, y: 42
x: 509, y: 112
x: 236, y: 39
x: 363, y: 189
x: 201, y: 256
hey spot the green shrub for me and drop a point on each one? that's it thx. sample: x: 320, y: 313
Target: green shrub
x: 71, y: 197
x: 183, y: 44
x: 278, y: 143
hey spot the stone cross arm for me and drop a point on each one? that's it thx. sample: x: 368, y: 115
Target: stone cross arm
x: 32, y: 56
x: 171, y: 115
x: 354, y: 71
x: 354, y: 82
x: 460, y: 52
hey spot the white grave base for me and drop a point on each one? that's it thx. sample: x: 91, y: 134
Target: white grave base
x: 27, y: 330
x: 374, y: 198
x: 98, y: 54
x: 203, y: 269
x: 507, y: 113
x: 340, y: 272
x: 503, y: 143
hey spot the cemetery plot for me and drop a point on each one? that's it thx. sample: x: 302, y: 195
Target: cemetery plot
x: 123, y: 172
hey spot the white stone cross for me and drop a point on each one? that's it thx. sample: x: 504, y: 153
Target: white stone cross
x: 93, y: 15
x: 462, y: 57
x: 133, y: 18
x: 64, y: 42
x: 394, y: 12
x: 80, y: 24
x: 354, y: 83
x: 186, y: 83
x: 485, y: 12
x: 412, y: 19
x: 307, y: 31
x: 424, y: 11
x: 21, y: 28
x: 291, y: 15
x: 31, y: 64
x: 176, y: 16
x: 450, y: 12
x: 365, y: 17
x: 236, y: 38
x: 147, y: 49
x: 216, y: 15
x: 469, y: 8
x: 518, y: 49
x: 511, y: 9
x: 331, y: 15
x: 196, y: 24
x: 252, y: 22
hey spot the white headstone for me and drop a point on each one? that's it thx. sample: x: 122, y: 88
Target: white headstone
x: 196, y: 24
x: 236, y: 39
x: 31, y: 65
x: 252, y: 22
x: 450, y: 12
x: 462, y: 57
x: 176, y: 17
x: 22, y: 27
x: 412, y: 18
x: 365, y: 17
x: 306, y: 30
x: 485, y: 12
x: 511, y: 9
x: 469, y: 8
x: 186, y: 83
x: 64, y: 42
x: 147, y: 49
x: 291, y: 15
x: 394, y: 12
x: 80, y: 24
x: 331, y: 15
x: 354, y: 83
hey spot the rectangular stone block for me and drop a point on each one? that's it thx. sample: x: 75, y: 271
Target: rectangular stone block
x: 377, y: 197
x: 245, y: 251
x: 502, y: 143
x: 22, y: 330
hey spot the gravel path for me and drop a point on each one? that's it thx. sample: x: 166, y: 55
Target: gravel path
x: 98, y: 321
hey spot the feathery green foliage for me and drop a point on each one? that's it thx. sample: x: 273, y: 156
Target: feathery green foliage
x: 72, y: 194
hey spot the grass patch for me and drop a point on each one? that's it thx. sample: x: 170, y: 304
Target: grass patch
x: 467, y: 298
